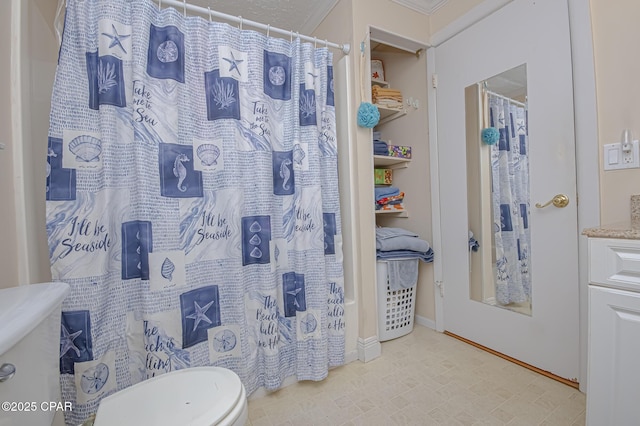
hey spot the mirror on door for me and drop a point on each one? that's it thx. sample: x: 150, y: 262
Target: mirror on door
x: 498, y: 191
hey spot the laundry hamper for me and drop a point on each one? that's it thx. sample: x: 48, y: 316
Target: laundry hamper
x: 396, y: 308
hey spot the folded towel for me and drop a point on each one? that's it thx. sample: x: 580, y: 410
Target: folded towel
x: 391, y: 207
x: 426, y: 257
x: 402, y: 273
x: 383, y: 233
x: 395, y: 199
x: 391, y: 239
x: 402, y: 243
x: 380, y: 148
x: 381, y: 151
x: 385, y: 191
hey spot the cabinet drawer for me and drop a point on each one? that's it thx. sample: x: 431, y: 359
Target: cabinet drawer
x: 615, y: 263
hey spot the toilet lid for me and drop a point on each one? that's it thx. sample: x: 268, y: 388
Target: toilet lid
x: 199, y: 396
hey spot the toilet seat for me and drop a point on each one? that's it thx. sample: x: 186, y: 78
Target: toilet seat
x: 199, y: 396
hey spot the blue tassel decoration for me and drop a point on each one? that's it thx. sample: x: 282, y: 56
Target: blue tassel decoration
x: 368, y: 115
x: 490, y: 135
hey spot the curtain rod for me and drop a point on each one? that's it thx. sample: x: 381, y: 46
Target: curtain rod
x: 505, y: 98
x: 345, y: 48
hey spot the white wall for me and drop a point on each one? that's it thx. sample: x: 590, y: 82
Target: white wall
x: 616, y: 37
x: 40, y: 57
x: 26, y: 82
x: 8, y: 236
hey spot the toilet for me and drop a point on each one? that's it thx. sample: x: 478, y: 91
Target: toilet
x: 198, y: 396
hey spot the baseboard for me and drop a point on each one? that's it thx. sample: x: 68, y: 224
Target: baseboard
x: 369, y: 348
x: 429, y: 323
x: 350, y: 357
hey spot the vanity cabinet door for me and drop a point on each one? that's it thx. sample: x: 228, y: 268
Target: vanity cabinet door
x: 613, y: 397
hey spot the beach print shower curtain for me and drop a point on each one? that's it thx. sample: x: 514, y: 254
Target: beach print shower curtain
x: 192, y: 202
x: 510, y: 193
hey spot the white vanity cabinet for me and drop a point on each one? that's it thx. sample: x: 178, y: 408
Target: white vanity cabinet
x: 613, y: 388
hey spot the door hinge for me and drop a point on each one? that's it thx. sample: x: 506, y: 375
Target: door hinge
x: 434, y: 81
x: 440, y: 285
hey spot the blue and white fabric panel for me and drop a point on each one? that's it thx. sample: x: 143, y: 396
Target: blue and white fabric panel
x: 192, y: 202
x: 510, y: 194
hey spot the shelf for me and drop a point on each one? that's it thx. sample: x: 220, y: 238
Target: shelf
x: 389, y: 114
x: 380, y: 83
x: 397, y: 213
x: 391, y: 162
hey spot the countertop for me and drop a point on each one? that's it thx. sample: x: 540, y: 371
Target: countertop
x: 629, y: 230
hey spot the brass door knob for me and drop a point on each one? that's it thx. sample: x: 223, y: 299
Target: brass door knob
x: 559, y: 201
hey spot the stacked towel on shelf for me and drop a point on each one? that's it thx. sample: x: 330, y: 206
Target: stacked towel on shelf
x: 398, y: 243
x: 390, y: 98
x: 389, y: 198
x: 391, y: 203
x: 380, y: 147
x: 385, y: 191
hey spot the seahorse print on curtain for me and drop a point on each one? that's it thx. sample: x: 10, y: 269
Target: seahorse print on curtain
x: 192, y: 202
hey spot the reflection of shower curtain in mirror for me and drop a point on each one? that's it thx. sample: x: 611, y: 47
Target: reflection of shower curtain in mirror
x: 192, y: 202
x: 510, y: 192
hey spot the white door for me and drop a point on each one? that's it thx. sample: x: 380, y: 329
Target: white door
x: 535, y: 33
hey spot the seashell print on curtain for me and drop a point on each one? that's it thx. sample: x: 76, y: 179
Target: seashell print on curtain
x: 192, y: 202
x: 510, y: 198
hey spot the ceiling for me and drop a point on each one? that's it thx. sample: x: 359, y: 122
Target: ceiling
x: 302, y: 16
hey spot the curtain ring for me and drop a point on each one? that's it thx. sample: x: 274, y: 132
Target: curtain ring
x: 268, y: 29
x: 315, y: 43
x: 291, y: 36
x: 159, y: 4
x: 184, y: 4
x: 326, y: 43
x: 240, y: 22
x: 210, y: 20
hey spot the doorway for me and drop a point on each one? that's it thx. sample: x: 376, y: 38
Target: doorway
x: 548, y: 338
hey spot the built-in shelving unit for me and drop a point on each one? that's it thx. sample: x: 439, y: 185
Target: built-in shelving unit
x: 389, y: 114
x: 397, y: 213
x: 391, y: 162
x: 386, y: 115
x: 405, y: 125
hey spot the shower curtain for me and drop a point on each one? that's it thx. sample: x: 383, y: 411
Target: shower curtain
x: 192, y: 202
x: 510, y: 195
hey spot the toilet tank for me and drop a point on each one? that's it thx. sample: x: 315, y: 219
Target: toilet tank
x: 30, y: 342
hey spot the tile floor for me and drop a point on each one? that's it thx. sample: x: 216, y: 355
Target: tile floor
x: 424, y: 378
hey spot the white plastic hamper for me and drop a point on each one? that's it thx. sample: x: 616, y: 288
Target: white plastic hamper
x: 396, y: 308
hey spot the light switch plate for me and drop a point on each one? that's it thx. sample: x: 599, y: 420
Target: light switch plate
x: 614, y: 158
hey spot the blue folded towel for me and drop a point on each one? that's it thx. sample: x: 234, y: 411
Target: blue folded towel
x: 402, y: 243
x: 378, y: 151
x: 380, y: 148
x: 386, y: 191
x: 402, y: 273
x: 392, y: 239
x: 426, y: 257
x: 383, y: 233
